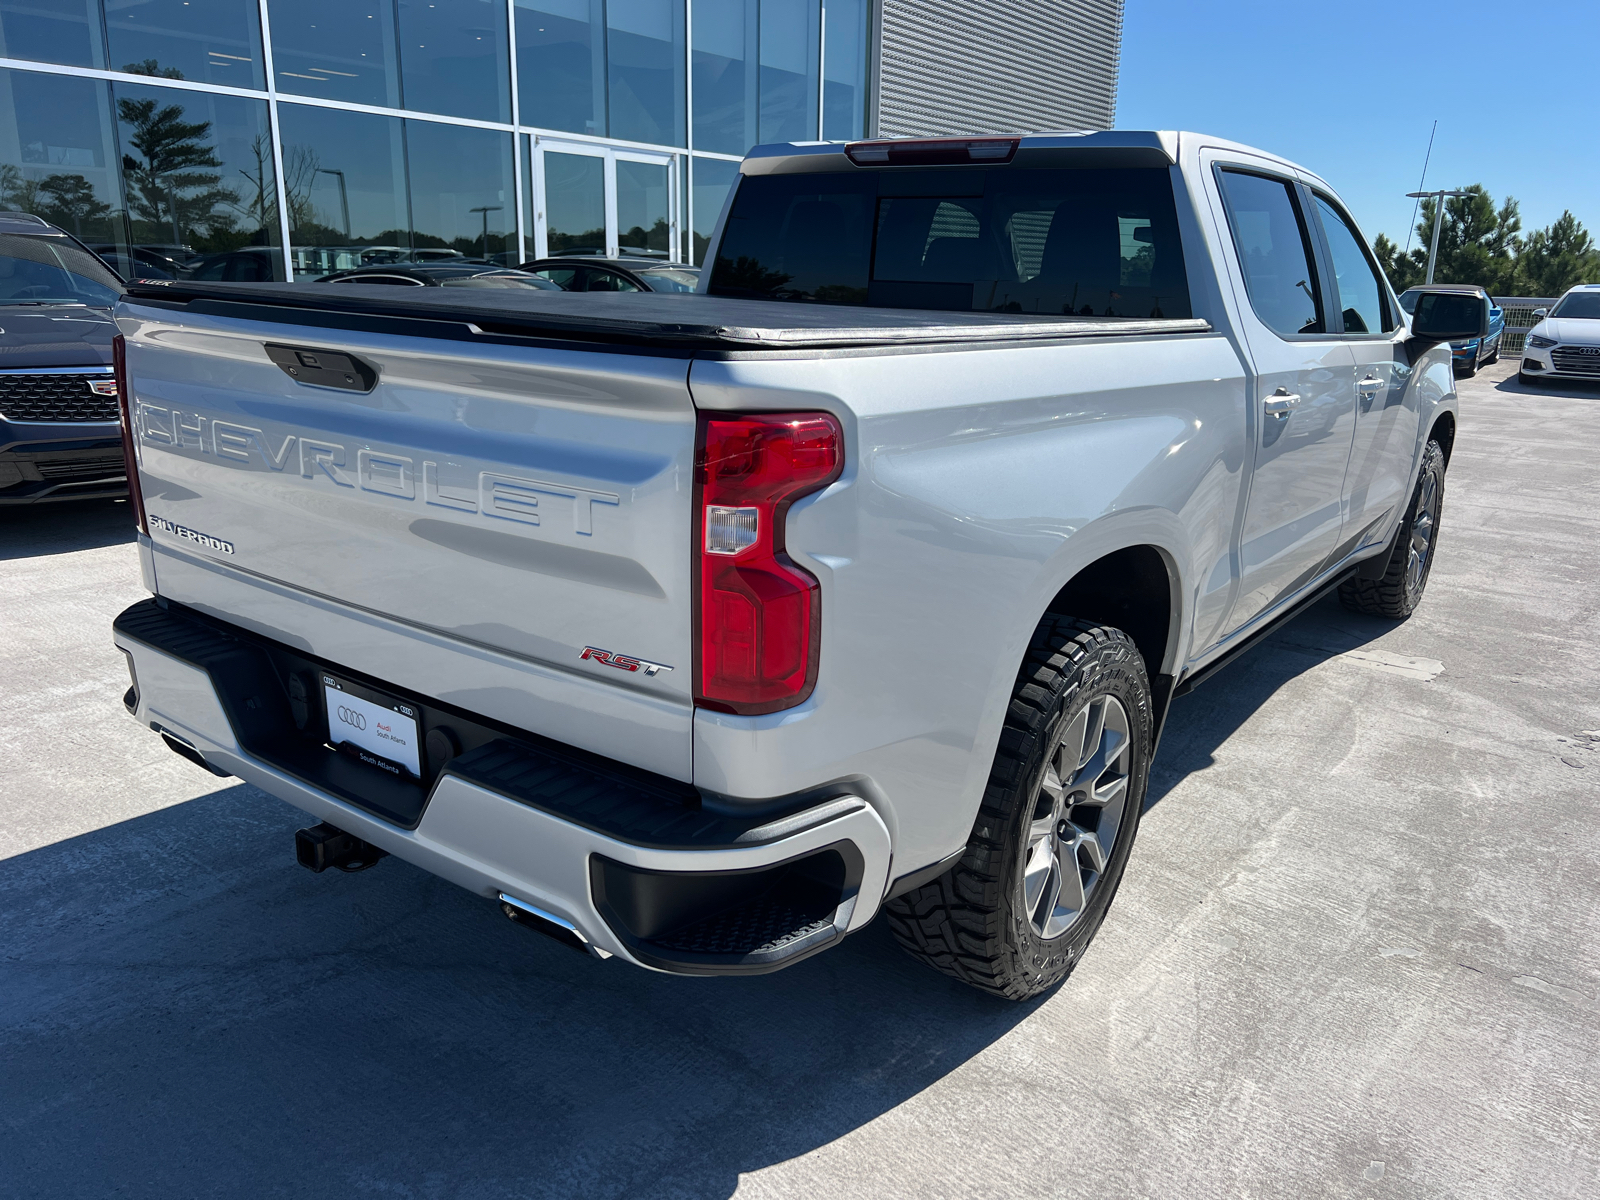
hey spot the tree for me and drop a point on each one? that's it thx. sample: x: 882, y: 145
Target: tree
x: 18, y: 193
x: 69, y: 201
x: 171, y: 187
x: 1478, y: 244
x: 151, y: 67
x: 1556, y: 257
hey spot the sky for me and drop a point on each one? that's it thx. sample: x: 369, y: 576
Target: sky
x: 1351, y: 90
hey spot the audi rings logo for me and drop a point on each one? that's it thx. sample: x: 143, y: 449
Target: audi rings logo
x: 351, y: 717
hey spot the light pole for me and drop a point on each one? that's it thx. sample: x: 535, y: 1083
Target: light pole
x: 1438, y: 221
x: 486, y: 210
x: 344, y: 197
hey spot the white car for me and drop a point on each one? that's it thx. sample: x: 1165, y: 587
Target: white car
x: 1565, y: 344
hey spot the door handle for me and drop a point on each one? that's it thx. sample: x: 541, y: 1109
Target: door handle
x: 1369, y: 384
x: 1281, y: 403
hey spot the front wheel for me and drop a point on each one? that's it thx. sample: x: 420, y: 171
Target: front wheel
x: 1399, y: 592
x: 1057, y: 821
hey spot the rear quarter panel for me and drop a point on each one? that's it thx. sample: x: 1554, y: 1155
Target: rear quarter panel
x: 976, y: 484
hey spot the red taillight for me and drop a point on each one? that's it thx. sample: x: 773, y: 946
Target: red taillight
x: 119, y: 364
x: 928, y: 152
x: 758, y: 613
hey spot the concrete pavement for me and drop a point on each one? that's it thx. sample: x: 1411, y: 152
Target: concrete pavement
x: 1357, y: 953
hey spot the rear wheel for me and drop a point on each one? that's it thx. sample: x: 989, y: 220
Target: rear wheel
x: 1399, y: 592
x: 1057, y: 821
x: 1495, y: 357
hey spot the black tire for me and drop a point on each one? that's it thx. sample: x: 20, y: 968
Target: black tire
x: 1468, y: 372
x: 975, y: 921
x: 1495, y: 357
x: 1400, y: 590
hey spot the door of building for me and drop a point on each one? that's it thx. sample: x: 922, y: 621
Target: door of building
x: 591, y: 199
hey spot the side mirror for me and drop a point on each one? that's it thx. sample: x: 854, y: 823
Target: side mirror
x: 1540, y: 314
x: 1448, y: 317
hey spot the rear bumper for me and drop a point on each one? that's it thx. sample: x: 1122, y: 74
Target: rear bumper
x: 627, y: 859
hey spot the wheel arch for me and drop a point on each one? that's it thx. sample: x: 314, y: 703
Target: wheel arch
x: 1134, y: 588
x: 1443, y: 431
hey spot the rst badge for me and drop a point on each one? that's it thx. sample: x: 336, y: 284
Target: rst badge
x: 622, y: 662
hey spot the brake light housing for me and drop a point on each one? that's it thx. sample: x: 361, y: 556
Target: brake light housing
x: 931, y: 152
x: 119, y: 364
x: 758, y: 616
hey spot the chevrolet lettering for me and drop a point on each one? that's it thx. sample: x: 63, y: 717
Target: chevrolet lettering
x: 967, y: 456
x: 491, y: 493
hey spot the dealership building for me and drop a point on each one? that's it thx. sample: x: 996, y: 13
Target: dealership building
x: 286, y: 138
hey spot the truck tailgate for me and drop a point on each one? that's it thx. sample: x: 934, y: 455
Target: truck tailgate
x: 529, y: 502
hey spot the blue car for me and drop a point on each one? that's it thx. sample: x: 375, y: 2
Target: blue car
x: 1476, y: 352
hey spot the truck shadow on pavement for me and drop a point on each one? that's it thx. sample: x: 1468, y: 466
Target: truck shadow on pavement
x: 1204, y: 719
x: 35, y: 530
x: 1565, y: 389
x: 188, y: 1013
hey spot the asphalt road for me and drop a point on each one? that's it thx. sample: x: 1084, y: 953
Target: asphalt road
x: 1357, y: 953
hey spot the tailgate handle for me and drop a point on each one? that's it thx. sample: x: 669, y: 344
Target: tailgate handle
x: 323, y: 368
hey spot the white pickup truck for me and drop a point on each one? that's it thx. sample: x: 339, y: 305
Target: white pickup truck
x: 696, y: 630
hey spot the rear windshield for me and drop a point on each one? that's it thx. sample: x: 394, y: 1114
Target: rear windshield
x: 36, y: 270
x: 1583, y: 305
x: 1088, y: 243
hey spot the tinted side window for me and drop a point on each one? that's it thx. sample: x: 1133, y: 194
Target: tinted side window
x: 1274, y: 252
x: 1360, y: 294
x: 1100, y: 243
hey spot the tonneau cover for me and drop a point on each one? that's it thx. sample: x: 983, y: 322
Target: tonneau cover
x: 659, y: 319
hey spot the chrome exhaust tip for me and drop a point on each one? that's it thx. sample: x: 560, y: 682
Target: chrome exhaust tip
x: 531, y: 916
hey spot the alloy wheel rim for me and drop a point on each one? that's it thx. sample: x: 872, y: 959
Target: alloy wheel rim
x: 1077, y: 815
x: 1422, y: 530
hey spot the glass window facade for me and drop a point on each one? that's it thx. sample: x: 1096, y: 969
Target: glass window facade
x: 463, y: 191
x: 644, y: 60
x: 338, y: 51
x: 453, y: 58
x: 57, y: 31
x: 209, y: 41
x: 58, y: 154
x: 844, y: 70
x: 713, y: 180
x: 561, y: 64
x: 726, y: 50
x: 168, y: 175
x: 789, y: 87
x: 197, y: 174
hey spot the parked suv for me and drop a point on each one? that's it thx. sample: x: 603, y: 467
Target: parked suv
x: 60, y: 438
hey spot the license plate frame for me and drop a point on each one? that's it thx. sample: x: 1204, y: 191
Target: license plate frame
x: 378, y: 728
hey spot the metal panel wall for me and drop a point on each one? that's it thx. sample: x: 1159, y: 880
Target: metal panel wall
x: 996, y: 66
